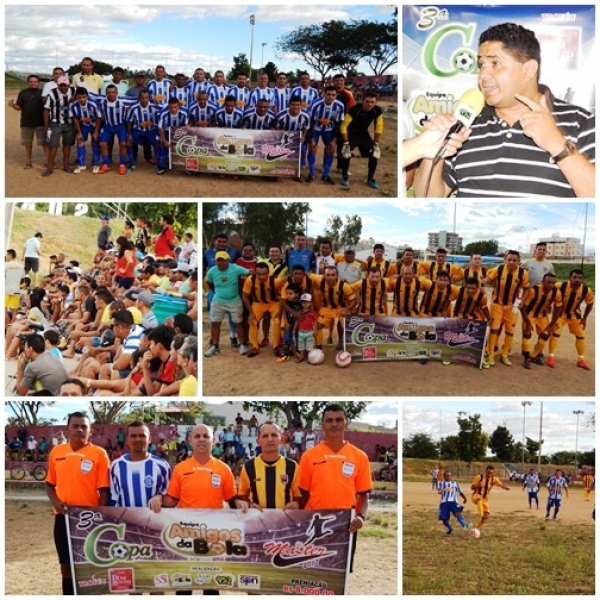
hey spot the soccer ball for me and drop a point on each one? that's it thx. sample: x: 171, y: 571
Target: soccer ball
x: 475, y: 533
x: 119, y: 550
x: 464, y: 61
x: 316, y: 357
x: 343, y: 359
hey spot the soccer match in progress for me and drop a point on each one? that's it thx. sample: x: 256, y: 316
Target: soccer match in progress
x: 498, y: 497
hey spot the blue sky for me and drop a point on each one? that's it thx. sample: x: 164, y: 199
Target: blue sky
x: 559, y: 422
x: 408, y: 222
x: 180, y: 38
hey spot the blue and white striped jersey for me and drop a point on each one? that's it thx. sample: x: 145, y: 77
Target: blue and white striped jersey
x: 229, y: 121
x: 217, y: 94
x: 326, y: 117
x: 281, y: 98
x: 308, y: 96
x: 241, y: 95
x: 86, y: 115
x: 556, y: 486
x: 286, y: 122
x: 532, y: 482
x: 159, y: 91
x: 143, y: 119
x: 132, y: 341
x: 253, y: 121
x: 195, y: 88
x: 450, y: 490
x: 165, y: 119
x: 182, y: 94
x: 114, y: 113
x: 133, y: 483
x: 258, y: 94
x: 202, y: 117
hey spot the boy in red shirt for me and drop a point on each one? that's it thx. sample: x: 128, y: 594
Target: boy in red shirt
x: 305, y: 328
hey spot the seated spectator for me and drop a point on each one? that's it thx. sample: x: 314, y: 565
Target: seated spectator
x: 217, y: 450
x: 188, y: 360
x: 43, y: 449
x: 73, y: 387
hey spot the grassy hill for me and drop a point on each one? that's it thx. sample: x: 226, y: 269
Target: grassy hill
x: 562, y: 271
x: 14, y: 83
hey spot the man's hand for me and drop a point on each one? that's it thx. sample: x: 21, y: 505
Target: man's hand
x: 540, y: 126
x: 60, y: 507
x: 241, y: 505
x: 356, y: 523
x: 293, y: 505
x: 434, y: 133
x: 155, y: 503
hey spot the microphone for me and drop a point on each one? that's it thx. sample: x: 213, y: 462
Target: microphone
x: 469, y: 107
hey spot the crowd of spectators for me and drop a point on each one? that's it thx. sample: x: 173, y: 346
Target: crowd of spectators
x: 130, y: 318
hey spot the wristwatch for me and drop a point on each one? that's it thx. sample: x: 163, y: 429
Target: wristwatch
x: 569, y: 149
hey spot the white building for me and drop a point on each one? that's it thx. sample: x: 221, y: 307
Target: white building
x: 449, y: 240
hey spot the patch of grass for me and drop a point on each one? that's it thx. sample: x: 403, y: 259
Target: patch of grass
x: 562, y: 271
x: 377, y: 533
x: 517, y: 556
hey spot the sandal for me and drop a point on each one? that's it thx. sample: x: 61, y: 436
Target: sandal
x: 47, y: 172
x: 27, y: 166
x: 68, y: 170
x: 300, y: 357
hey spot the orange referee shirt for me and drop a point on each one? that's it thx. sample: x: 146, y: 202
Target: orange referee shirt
x: 202, y: 486
x: 78, y: 475
x: 333, y: 479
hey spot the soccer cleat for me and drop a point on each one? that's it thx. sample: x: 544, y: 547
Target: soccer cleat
x: 372, y: 183
x: 583, y: 365
x: 467, y: 526
x: 212, y: 351
x: 264, y: 342
x: 327, y: 179
x: 527, y: 363
x: 252, y: 353
x: 485, y: 364
x: 243, y: 349
x: 448, y: 533
x: 490, y: 361
x: 547, y: 518
x: 310, y: 178
x: 122, y: 169
x: 79, y: 169
x: 234, y: 342
x: 345, y: 182
x: 282, y: 359
x: 160, y: 170
x: 551, y: 362
x: 96, y: 169
x: 132, y: 168
x: 103, y: 169
x: 330, y: 341
x: 505, y: 360
x: 339, y: 346
x: 538, y: 360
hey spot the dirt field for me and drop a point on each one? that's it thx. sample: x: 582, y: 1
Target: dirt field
x: 230, y: 374
x: 29, y: 519
x: 144, y: 183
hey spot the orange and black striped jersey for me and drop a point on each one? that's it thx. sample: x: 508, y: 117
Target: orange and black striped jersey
x: 430, y: 269
x: 507, y: 284
x: 373, y: 299
x: 339, y: 295
x: 572, y: 299
x: 406, y: 297
x: 264, y: 292
x: 307, y: 285
x: 537, y: 303
x: 400, y: 267
x: 471, y: 273
x: 387, y: 267
x: 435, y: 301
x: 470, y: 307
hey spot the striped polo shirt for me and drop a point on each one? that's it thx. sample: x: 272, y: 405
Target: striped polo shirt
x: 499, y: 160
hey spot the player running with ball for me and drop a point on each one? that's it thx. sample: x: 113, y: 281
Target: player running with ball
x: 482, y: 486
x: 448, y: 491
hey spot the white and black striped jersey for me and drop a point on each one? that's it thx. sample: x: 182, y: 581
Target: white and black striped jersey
x: 308, y: 96
x: 143, y: 119
x: 326, y: 117
x: 281, y: 98
x: 58, y: 104
x: 286, y: 122
x: 86, y: 115
x: 159, y: 91
x: 258, y: 94
x: 165, y: 119
x: 202, y: 117
x: 229, y: 120
x: 253, y: 121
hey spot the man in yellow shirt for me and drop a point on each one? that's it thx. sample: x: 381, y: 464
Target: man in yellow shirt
x: 482, y: 486
x: 86, y: 78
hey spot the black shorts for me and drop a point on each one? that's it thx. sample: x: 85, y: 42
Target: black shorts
x: 32, y: 264
x: 364, y: 143
x: 61, y: 540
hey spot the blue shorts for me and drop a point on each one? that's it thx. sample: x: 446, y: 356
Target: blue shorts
x: 533, y: 495
x: 108, y: 131
x: 140, y: 137
x: 87, y: 131
x: 326, y: 135
x: 447, y: 508
x: 553, y: 502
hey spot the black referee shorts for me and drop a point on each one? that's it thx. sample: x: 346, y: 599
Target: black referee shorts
x: 61, y: 540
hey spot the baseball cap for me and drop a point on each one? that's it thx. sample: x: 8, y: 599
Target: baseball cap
x: 140, y: 74
x: 222, y: 254
x: 105, y: 218
x: 63, y: 79
x: 131, y: 294
x: 182, y: 268
x: 146, y: 297
x: 350, y: 249
x: 306, y: 297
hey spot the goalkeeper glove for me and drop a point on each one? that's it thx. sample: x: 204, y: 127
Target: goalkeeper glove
x: 346, y: 152
x: 376, y: 151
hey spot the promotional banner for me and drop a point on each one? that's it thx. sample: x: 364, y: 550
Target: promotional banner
x: 126, y: 550
x: 235, y: 151
x: 440, y: 45
x: 410, y: 338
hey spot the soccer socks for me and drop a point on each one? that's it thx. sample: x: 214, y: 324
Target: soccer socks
x: 106, y: 159
x: 539, y: 348
x: 553, y: 345
x: 372, y: 167
x: 526, y: 345
x: 492, y: 342
x: 480, y: 508
x: 580, y: 347
x: 556, y: 509
x: 122, y: 159
x: 96, y: 152
x: 508, y: 338
x: 461, y: 520
x: 81, y: 155
x: 448, y: 526
x: 132, y: 155
x: 327, y: 163
x: 312, y: 159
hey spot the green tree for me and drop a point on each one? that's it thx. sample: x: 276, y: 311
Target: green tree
x: 106, y: 412
x: 483, y: 247
x: 501, y: 443
x: 271, y: 70
x: 588, y: 458
x: 532, y: 448
x: 472, y: 441
x: 147, y: 413
x: 306, y: 412
x: 214, y: 221
x: 341, y: 234
x: 26, y: 413
x: 241, y: 66
x: 451, y: 447
x: 100, y: 68
x: 563, y: 457
x: 419, y: 445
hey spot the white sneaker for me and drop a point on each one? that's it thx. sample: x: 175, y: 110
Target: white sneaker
x: 80, y: 169
x: 243, y: 349
x: 212, y: 351
x: 96, y: 169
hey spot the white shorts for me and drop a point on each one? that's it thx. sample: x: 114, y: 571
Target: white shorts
x: 218, y: 310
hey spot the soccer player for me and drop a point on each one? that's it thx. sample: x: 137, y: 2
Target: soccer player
x: 532, y: 483
x: 539, y: 301
x: 538, y: 266
x: 482, y: 486
x: 471, y: 303
x: 197, y: 84
x: 281, y: 94
x: 587, y: 479
x: 58, y: 124
x: 261, y: 294
x: 387, y: 267
x: 326, y: 116
x: 262, y: 91
x: 407, y: 260
x: 112, y: 113
x: 354, y: 132
x: 141, y: 127
x: 181, y: 91
x: 260, y: 117
x: 159, y: 87
x: 202, y: 112
x: 270, y: 480
x: 434, y: 481
x: 430, y: 269
x: 240, y: 92
x: 308, y: 95
x: 295, y: 119
x: 448, y: 490
x: 229, y: 116
x: 508, y: 279
x: 86, y: 78
x: 300, y: 254
x: 77, y: 476
x: 406, y: 290
x: 174, y: 115
x: 438, y: 296
x: 218, y: 90
x: 347, y: 99
x: 86, y: 118
x: 138, y: 478
x: 574, y: 292
x: 372, y: 294
x: 474, y: 270
x: 334, y: 474
x: 556, y: 484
